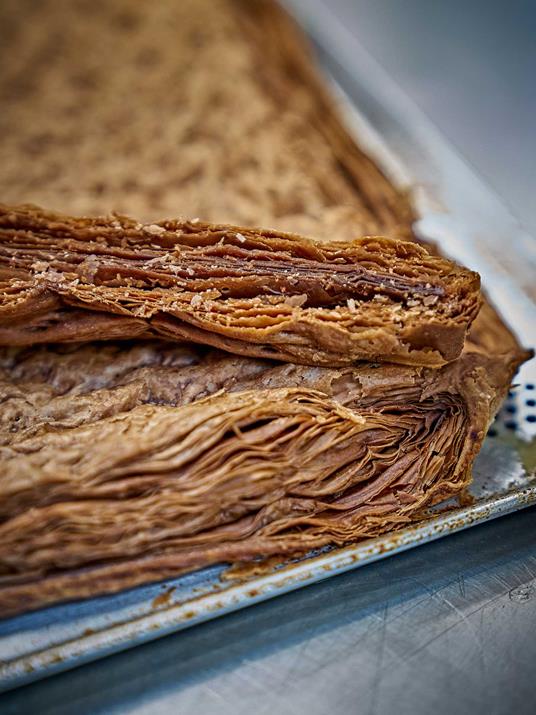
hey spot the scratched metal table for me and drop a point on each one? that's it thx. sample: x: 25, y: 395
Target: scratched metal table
x: 449, y: 627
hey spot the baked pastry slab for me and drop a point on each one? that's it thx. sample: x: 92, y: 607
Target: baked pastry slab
x: 212, y: 109
x: 129, y: 463
x: 251, y: 292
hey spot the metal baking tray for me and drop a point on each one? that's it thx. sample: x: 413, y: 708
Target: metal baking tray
x: 457, y: 211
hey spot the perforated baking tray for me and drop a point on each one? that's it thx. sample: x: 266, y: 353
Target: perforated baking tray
x: 462, y: 214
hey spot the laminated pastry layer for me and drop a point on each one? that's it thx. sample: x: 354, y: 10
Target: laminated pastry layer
x: 252, y: 292
x: 124, y: 464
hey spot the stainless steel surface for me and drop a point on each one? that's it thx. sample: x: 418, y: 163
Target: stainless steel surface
x: 446, y: 628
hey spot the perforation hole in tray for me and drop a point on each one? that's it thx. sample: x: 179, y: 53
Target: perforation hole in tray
x: 517, y: 415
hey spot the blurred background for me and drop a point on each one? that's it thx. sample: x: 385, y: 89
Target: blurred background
x: 471, y: 67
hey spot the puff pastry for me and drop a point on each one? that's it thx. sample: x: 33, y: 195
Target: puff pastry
x: 128, y: 464
x: 248, y: 291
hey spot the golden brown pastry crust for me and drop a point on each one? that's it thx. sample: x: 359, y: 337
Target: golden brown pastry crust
x: 248, y: 291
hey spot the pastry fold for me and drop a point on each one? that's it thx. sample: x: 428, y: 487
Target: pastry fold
x: 124, y: 464
x: 254, y: 292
